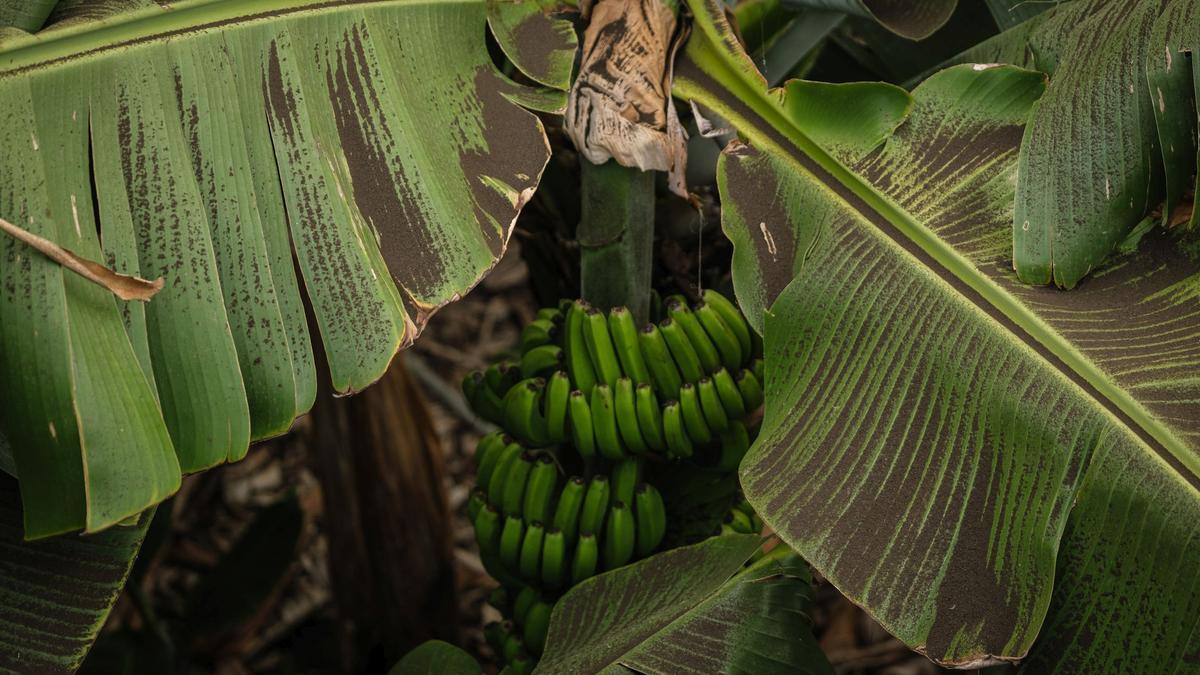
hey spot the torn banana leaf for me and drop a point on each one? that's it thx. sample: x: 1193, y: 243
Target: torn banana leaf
x: 994, y: 471
x: 205, y: 142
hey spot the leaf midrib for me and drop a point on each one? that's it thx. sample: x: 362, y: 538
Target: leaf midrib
x: 712, y: 62
x: 152, y: 23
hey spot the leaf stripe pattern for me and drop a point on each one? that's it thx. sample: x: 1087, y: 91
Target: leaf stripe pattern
x: 214, y: 142
x: 943, y: 443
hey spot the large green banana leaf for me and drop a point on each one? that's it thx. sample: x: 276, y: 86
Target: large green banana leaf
x: 693, y: 609
x: 993, y: 470
x: 366, y: 151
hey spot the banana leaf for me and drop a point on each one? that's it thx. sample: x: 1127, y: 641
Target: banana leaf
x: 436, y: 657
x: 367, y: 152
x: 694, y: 609
x: 995, y: 471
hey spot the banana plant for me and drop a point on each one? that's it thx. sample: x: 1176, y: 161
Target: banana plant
x: 996, y: 471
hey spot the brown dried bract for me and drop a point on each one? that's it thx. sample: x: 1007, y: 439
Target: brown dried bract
x: 620, y: 105
x: 121, y: 285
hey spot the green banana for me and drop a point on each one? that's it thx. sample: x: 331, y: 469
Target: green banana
x: 510, y: 541
x: 620, y: 536
x: 498, y: 476
x: 756, y: 367
x: 710, y: 404
x: 595, y: 505
x: 542, y: 360
x: 570, y: 502
x: 554, y: 558
x: 514, y: 647
x: 625, y: 337
x: 538, y: 333
x: 537, y: 624
x: 488, y: 447
x: 579, y: 362
x: 627, y: 417
x: 487, y: 529
x: 651, y: 516
x: 470, y: 385
x: 626, y: 474
x: 488, y: 404
x: 730, y: 395
x: 600, y: 347
x: 476, y: 502
x: 604, y: 423
x: 498, y: 377
x: 693, y: 417
x: 681, y: 350
x: 587, y: 554
x: 679, y: 444
x: 750, y: 389
x: 525, y: 599
x: 522, y: 664
x: 581, y: 424
x: 649, y: 418
x: 530, y: 561
x: 706, y: 351
x: 656, y: 305
x: 523, y: 411
x: 515, y: 482
x: 733, y: 318
x: 540, y: 490
x: 721, y: 335
x: 734, y: 444
x: 658, y: 359
x: 494, y: 634
x: 552, y: 314
x: 740, y: 522
x: 557, y: 392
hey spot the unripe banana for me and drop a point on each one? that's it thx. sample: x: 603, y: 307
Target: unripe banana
x: 600, y: 347
x: 681, y: 350
x: 542, y: 360
x: 558, y: 392
x: 710, y: 404
x: 514, y: 484
x: 733, y: 318
x: 595, y: 506
x: 625, y: 337
x: 651, y: 516
x: 721, y: 335
x: 524, y: 601
x: 540, y: 490
x: 604, y: 423
x: 658, y: 359
x: 499, y: 377
x: 510, y: 541
x: 570, y: 503
x: 470, y: 384
x: 581, y: 423
x: 731, y: 397
x: 649, y: 418
x: 587, y: 556
x: 693, y: 417
x: 620, y: 536
x: 750, y: 389
x: 497, y: 478
x: 522, y: 664
x: 740, y: 522
x: 554, y: 558
x: 627, y: 417
x: 553, y: 314
x: 537, y: 623
x: 476, y: 502
x: 523, y: 411
x: 487, y: 448
x: 579, y: 362
x: 734, y: 443
x: 706, y: 351
x: 530, y: 563
x: 538, y: 333
x: 494, y: 634
x: 679, y: 444
x: 514, y: 647
x: 757, y: 367
x: 488, y: 405
x: 488, y: 524
x: 626, y: 475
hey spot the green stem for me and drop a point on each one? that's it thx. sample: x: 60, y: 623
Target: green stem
x: 616, y: 237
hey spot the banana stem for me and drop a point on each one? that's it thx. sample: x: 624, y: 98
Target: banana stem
x: 616, y: 237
